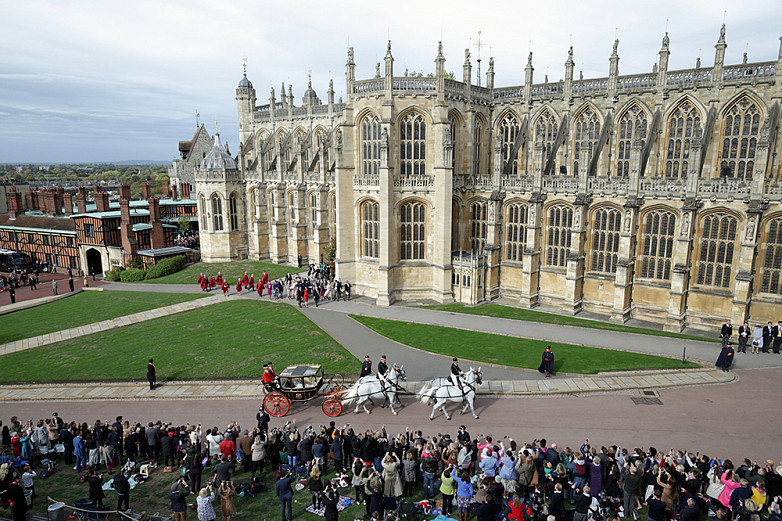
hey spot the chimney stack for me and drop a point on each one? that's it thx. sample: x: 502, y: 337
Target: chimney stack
x: 165, y: 189
x: 146, y: 192
x: 81, y: 200
x: 49, y: 202
x: 174, y: 195
x: 124, y: 192
x: 32, y: 200
x: 157, y: 239
x: 68, y: 203
x: 184, y: 190
x: 101, y: 200
x: 126, y: 228
x: 14, y: 203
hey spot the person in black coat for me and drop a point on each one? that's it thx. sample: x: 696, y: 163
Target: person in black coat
x: 95, y: 481
x: 547, y: 362
x: 726, y: 332
x: 285, y: 493
x: 745, y: 332
x: 768, y: 333
x: 122, y: 486
x: 725, y: 360
x: 485, y: 510
x: 15, y: 494
x: 167, y: 448
x: 557, y: 506
x: 151, y: 375
x: 329, y: 500
x: 366, y: 367
x: 178, y: 496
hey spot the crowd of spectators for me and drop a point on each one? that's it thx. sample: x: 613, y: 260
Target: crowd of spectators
x: 461, y: 474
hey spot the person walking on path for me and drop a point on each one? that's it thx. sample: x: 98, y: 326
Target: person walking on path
x: 70, y: 283
x: 151, y: 375
x: 547, y: 363
x: 725, y: 360
x: 12, y: 294
x: 54, y: 288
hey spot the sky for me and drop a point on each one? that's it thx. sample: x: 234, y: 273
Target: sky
x: 103, y: 80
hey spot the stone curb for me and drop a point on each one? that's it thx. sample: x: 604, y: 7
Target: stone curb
x: 248, y: 389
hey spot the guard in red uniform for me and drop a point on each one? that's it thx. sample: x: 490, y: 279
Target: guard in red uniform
x: 270, y: 379
x: 238, y: 286
x: 212, y: 283
x: 226, y: 287
x: 251, y: 283
x: 203, y: 283
x: 260, y: 289
x: 244, y: 280
x: 219, y: 278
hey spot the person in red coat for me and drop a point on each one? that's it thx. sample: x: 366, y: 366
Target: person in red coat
x: 251, y: 282
x: 245, y: 280
x: 219, y: 278
x: 203, y: 283
x: 212, y: 283
x: 260, y: 289
x: 264, y: 278
x: 200, y: 278
x: 226, y: 287
x: 239, y: 286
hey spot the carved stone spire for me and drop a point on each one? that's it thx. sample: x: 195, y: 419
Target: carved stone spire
x: 490, y: 74
x: 719, y: 56
x: 528, y: 72
x: 613, y: 68
x: 467, y: 68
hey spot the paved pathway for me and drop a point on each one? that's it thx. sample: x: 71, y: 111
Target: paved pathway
x: 605, y: 382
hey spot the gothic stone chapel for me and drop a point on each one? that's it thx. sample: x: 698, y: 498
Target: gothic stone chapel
x: 653, y: 196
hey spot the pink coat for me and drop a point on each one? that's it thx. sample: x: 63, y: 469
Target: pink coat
x: 730, y: 486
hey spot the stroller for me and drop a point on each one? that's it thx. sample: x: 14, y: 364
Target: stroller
x: 404, y: 511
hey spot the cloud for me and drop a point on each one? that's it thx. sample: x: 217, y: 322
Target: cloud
x: 89, y: 80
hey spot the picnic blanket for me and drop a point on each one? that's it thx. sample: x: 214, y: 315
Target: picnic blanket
x: 107, y: 485
x: 342, y: 504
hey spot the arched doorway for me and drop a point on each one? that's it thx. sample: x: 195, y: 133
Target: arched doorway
x: 94, y: 263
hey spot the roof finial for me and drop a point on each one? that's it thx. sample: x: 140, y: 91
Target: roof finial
x: 309, y: 78
x: 244, y: 66
x: 217, y: 132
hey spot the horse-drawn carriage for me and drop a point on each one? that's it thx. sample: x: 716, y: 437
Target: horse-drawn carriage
x: 302, y: 383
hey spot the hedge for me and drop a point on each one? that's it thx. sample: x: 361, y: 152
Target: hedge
x: 114, y: 274
x: 132, y: 275
x: 166, y: 267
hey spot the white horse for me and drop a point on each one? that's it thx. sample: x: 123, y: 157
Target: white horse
x: 369, y: 387
x: 444, y: 391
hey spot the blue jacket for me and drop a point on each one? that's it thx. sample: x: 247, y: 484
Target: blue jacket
x: 489, y: 466
x: 78, y: 447
x: 464, y: 488
x: 508, y: 470
x: 283, y: 487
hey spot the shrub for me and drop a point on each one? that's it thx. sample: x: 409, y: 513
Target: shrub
x: 166, y: 267
x: 114, y: 274
x: 132, y: 275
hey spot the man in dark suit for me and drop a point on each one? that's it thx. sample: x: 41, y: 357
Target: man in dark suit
x: 285, y: 493
x: 726, y: 332
x: 151, y: 374
x: 557, y: 506
x: 767, y: 335
x: 777, y: 336
x: 744, y: 334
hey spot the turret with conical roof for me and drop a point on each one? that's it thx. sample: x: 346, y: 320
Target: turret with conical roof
x: 245, y: 99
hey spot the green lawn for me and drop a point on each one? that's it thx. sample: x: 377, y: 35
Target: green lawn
x: 514, y: 351
x: 228, y: 340
x: 528, y: 315
x: 232, y: 271
x: 80, y: 309
x: 151, y: 496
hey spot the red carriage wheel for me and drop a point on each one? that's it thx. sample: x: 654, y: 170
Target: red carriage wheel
x: 276, y: 404
x: 332, y: 407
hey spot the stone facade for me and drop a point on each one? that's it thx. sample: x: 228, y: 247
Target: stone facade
x: 652, y: 196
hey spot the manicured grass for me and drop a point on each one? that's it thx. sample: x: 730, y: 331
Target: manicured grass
x: 514, y: 351
x: 151, y: 496
x: 232, y: 271
x: 528, y: 315
x: 228, y: 340
x: 80, y: 309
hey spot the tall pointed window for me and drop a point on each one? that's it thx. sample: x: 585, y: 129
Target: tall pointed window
x: 546, y: 132
x: 453, y: 126
x: 284, y: 150
x: 202, y: 211
x: 681, y: 129
x: 477, y: 143
x: 771, y: 274
x: 332, y: 216
x: 515, y: 232
x: 605, y: 240
x: 632, y: 125
x: 560, y: 222
x: 717, y: 243
x: 217, y: 213
x: 412, y: 232
x: 509, y: 132
x: 370, y: 229
x: 323, y: 151
x: 370, y: 146
x: 233, y: 212
x: 657, y: 245
x: 739, y: 139
x: 478, y: 226
x: 587, y: 132
x: 412, y: 144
